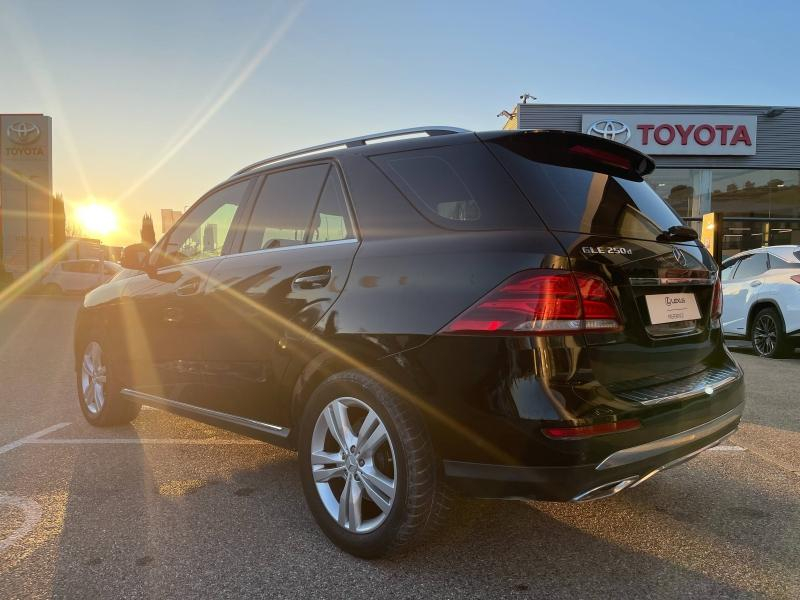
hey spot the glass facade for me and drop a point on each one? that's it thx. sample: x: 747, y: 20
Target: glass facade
x: 761, y: 207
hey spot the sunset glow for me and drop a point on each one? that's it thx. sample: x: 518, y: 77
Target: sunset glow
x: 96, y: 219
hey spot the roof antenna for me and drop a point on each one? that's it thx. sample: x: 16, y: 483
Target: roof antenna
x: 525, y: 97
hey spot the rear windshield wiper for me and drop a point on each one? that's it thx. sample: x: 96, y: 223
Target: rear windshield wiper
x: 677, y: 233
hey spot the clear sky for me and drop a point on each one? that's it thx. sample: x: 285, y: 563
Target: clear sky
x: 155, y: 102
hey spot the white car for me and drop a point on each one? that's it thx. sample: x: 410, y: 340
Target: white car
x: 77, y: 276
x: 761, y: 299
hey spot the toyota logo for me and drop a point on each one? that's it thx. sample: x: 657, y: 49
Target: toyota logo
x: 610, y: 130
x: 23, y: 132
x: 679, y: 257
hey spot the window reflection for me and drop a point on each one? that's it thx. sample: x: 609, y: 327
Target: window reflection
x: 761, y: 206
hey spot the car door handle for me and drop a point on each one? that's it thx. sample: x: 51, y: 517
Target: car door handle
x: 312, y: 281
x: 755, y: 283
x: 189, y: 287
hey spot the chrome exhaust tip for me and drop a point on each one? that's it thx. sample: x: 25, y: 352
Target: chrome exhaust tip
x: 606, y: 490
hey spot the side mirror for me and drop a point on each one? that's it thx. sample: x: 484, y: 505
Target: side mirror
x: 136, y: 257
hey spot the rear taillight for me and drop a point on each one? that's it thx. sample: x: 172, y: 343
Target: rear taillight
x: 542, y: 302
x: 795, y: 278
x: 586, y: 431
x: 716, y: 302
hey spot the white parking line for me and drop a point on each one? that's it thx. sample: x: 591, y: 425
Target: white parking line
x: 29, y: 438
x: 32, y: 515
x: 143, y: 441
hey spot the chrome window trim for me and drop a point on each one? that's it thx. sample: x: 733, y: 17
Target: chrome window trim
x: 656, y: 281
x: 667, y: 444
x: 158, y: 401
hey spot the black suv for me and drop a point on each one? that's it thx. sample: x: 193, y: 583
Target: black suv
x: 504, y: 314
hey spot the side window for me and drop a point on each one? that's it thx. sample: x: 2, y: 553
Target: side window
x: 459, y: 187
x: 779, y: 263
x: 70, y: 267
x: 728, y: 269
x: 284, y: 208
x: 331, y: 220
x: 751, y: 266
x: 90, y: 266
x: 204, y: 229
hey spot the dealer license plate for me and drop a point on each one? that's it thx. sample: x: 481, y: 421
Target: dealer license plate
x: 671, y: 308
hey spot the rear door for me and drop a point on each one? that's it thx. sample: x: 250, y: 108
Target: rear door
x: 612, y: 224
x: 294, y: 259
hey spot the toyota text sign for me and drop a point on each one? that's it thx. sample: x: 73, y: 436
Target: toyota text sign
x: 677, y: 134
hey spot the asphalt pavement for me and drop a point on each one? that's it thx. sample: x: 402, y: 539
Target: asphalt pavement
x: 169, y: 508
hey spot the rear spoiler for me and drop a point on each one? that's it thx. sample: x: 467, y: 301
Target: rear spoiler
x: 570, y: 149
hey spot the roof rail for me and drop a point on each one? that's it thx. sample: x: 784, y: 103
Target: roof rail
x: 353, y: 142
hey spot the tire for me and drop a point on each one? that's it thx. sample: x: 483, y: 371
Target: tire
x: 98, y: 391
x: 768, y: 334
x: 396, y: 484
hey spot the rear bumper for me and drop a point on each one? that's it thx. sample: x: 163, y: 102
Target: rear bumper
x: 623, y: 468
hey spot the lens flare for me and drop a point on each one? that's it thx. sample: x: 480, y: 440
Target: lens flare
x: 96, y: 219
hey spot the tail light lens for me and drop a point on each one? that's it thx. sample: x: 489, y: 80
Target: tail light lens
x: 795, y: 278
x: 716, y: 302
x: 586, y: 431
x: 542, y: 302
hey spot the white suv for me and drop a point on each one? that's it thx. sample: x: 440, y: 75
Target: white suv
x: 761, y: 291
x: 77, y: 276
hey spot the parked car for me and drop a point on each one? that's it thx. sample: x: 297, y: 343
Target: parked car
x: 502, y: 314
x: 77, y: 276
x: 761, y: 289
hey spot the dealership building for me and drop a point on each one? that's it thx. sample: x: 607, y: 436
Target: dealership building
x: 741, y: 161
x: 26, y: 190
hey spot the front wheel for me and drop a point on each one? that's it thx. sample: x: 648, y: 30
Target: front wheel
x: 769, y: 337
x: 98, y: 392
x: 368, y: 469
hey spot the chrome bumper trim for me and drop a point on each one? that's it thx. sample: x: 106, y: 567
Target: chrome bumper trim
x: 160, y: 402
x: 667, y: 444
x: 704, y: 383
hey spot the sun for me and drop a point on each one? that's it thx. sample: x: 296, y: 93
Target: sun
x: 96, y: 218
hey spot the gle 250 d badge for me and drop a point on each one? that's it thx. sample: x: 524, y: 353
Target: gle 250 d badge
x: 606, y: 250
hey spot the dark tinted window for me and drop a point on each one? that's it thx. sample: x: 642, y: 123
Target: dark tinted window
x: 459, y: 187
x: 331, y: 220
x: 751, y: 265
x: 284, y: 208
x: 573, y: 199
x: 728, y: 269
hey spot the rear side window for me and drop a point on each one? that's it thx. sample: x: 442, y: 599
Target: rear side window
x: 331, y: 220
x: 459, y: 187
x: 579, y: 200
x: 284, y: 208
x: 778, y: 263
x: 751, y: 266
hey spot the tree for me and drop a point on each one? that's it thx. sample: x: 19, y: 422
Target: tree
x: 73, y: 229
x: 148, y: 233
x: 59, y: 222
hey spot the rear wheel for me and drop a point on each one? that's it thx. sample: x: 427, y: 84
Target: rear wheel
x: 769, y: 337
x: 101, y: 403
x: 368, y: 469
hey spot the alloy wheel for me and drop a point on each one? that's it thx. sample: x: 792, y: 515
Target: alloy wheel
x: 93, y: 378
x: 353, y: 465
x: 765, y: 335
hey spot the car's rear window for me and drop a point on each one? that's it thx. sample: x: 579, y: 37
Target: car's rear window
x: 459, y: 187
x: 572, y: 199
